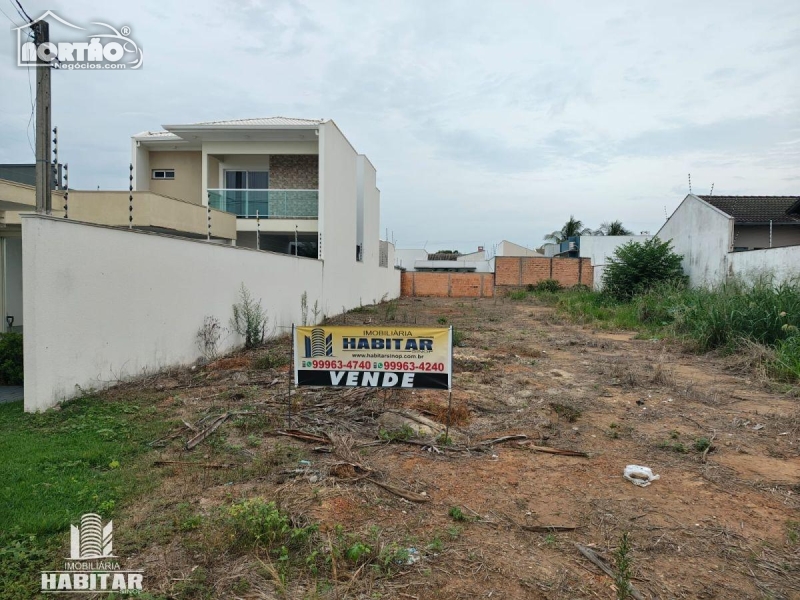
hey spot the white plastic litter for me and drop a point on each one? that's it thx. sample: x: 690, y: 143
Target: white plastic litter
x: 641, y: 476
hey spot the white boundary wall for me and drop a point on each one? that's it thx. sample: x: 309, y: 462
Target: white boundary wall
x: 105, y: 304
x: 782, y: 264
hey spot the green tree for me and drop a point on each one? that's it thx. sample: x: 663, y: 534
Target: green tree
x: 613, y: 228
x: 571, y: 228
x: 637, y: 266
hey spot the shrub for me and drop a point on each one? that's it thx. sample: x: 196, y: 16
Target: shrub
x: 548, y: 285
x: 271, y: 360
x: 249, y: 319
x: 208, y: 337
x: 517, y: 295
x: 11, y: 371
x: 255, y: 522
x: 638, y: 266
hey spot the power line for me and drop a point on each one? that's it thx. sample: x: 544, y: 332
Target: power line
x: 23, y: 12
x: 21, y: 16
x: 33, y: 110
x: 7, y: 17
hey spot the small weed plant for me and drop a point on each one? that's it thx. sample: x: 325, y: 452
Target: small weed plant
x: 406, y: 432
x: 249, y: 319
x: 622, y: 568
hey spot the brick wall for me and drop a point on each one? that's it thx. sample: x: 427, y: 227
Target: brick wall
x: 443, y: 285
x: 535, y: 270
x: 510, y: 271
x: 507, y: 270
x: 294, y: 171
x: 406, y: 284
x: 515, y: 271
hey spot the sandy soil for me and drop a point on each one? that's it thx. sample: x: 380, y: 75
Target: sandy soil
x: 713, y: 526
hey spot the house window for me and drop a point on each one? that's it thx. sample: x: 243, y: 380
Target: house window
x: 163, y: 174
x: 246, y: 180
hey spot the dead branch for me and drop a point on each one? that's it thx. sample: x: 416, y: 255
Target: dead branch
x: 207, y: 432
x: 548, y: 528
x: 302, y: 435
x: 549, y: 450
x: 410, y: 496
x: 506, y: 438
x: 189, y: 463
x: 603, y: 566
x: 163, y: 441
x: 436, y: 448
x: 710, y: 442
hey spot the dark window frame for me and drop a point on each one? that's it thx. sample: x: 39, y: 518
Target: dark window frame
x: 166, y: 174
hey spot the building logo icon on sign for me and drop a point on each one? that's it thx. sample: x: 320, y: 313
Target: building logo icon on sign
x: 318, y: 344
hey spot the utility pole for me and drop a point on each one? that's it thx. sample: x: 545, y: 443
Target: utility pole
x: 44, y: 176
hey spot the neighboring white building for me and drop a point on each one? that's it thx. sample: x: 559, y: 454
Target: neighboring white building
x: 479, y: 261
x: 406, y: 258
x: 723, y: 236
x: 598, y: 248
x: 416, y: 259
x: 506, y: 248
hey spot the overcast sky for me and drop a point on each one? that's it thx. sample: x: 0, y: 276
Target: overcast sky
x: 485, y: 120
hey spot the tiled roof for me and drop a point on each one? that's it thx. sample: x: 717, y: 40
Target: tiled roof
x: 758, y: 209
x: 273, y: 121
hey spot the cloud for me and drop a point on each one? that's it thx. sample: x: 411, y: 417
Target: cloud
x: 483, y: 124
x: 746, y: 134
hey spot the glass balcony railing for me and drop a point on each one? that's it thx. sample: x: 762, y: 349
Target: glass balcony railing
x: 268, y: 204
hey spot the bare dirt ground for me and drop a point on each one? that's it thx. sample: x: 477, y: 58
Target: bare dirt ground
x: 720, y: 525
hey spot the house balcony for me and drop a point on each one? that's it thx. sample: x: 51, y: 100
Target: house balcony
x: 266, y: 203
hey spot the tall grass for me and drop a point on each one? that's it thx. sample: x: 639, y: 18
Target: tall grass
x: 732, y: 312
x: 727, y: 317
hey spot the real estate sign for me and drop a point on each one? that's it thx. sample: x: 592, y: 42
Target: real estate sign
x: 373, y: 356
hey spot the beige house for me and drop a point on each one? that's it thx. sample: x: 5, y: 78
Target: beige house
x: 267, y: 172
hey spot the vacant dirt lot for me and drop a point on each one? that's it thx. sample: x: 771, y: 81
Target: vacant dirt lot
x: 724, y: 524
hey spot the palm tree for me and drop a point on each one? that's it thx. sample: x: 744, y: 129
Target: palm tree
x: 613, y: 228
x: 571, y: 228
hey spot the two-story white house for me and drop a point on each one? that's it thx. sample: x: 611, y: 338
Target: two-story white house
x: 296, y: 186
x: 277, y: 175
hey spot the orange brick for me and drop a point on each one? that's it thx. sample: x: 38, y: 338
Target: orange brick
x: 566, y: 271
x: 487, y: 281
x: 535, y: 270
x: 507, y: 270
x: 465, y: 285
x: 407, y: 284
x: 431, y: 284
